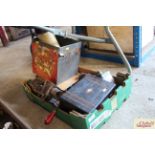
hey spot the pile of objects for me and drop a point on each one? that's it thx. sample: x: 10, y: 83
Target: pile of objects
x: 82, y: 98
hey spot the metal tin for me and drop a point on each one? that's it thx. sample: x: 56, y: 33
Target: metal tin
x: 56, y: 64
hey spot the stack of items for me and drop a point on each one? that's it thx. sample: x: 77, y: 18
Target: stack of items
x: 83, y: 99
x: 84, y: 96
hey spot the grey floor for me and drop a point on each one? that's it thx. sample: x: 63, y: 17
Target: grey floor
x: 141, y: 103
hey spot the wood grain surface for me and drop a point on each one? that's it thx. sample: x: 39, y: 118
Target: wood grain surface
x: 123, y: 34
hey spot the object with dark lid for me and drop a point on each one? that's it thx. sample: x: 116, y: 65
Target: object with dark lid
x: 87, y: 94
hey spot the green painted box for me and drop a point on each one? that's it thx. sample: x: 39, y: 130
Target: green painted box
x: 95, y: 119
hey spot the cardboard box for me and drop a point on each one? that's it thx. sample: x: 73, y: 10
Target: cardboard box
x: 95, y: 119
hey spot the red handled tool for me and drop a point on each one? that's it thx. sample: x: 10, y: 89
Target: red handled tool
x: 50, y: 117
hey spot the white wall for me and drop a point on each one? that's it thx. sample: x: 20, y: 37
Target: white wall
x: 147, y: 34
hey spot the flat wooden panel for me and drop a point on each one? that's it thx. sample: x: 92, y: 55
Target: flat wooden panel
x: 123, y: 34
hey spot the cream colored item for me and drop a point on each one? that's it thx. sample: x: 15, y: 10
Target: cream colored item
x: 49, y: 38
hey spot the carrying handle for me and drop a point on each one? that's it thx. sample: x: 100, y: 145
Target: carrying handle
x: 111, y: 40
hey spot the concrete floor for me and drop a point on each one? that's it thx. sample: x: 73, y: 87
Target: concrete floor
x: 15, y: 63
